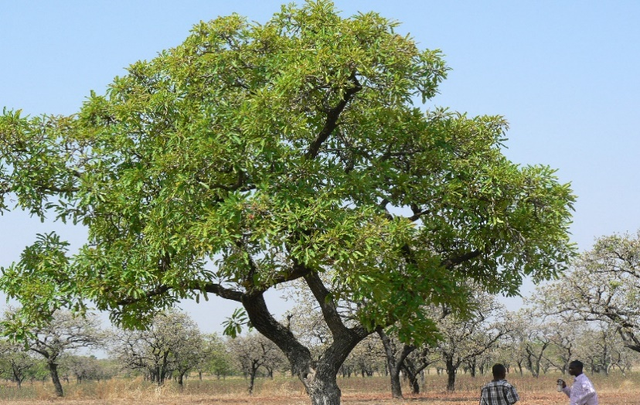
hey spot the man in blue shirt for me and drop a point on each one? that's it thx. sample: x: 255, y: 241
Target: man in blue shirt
x: 498, y: 391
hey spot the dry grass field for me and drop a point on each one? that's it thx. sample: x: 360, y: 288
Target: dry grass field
x: 614, y: 390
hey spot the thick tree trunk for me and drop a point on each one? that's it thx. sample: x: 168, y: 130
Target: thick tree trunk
x: 318, y: 377
x: 396, y: 386
x: 322, y: 387
x: 394, y: 376
x: 53, y: 371
x: 320, y: 381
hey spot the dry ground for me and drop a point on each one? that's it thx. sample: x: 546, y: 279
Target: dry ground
x: 614, y: 390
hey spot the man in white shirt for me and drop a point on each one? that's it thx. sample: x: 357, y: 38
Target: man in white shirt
x: 582, y: 391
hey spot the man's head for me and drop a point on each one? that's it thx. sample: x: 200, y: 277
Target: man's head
x: 575, y: 368
x: 499, y: 372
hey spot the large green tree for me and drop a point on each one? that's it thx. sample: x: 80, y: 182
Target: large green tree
x: 252, y: 156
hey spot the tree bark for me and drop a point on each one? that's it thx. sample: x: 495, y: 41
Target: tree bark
x: 322, y: 387
x: 252, y: 378
x: 53, y: 371
x: 317, y: 376
x: 412, y: 375
x: 472, y: 367
x: 451, y: 375
x: 18, y: 375
x: 394, y: 365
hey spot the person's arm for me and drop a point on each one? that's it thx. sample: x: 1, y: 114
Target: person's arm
x: 511, y: 395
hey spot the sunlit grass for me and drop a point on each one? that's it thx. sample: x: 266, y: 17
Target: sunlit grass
x: 286, y: 390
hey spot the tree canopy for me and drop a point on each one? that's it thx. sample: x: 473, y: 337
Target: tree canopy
x: 254, y: 155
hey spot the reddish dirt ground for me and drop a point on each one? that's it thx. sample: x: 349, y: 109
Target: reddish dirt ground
x: 621, y: 398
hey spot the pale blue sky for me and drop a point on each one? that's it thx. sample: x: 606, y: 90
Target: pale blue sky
x: 566, y: 75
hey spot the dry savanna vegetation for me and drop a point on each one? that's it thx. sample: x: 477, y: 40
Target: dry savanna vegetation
x: 615, y: 389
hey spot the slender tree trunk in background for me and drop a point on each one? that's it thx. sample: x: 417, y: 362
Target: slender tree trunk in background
x: 17, y: 376
x: 451, y: 375
x: 252, y: 378
x: 472, y: 368
x: 412, y: 375
x: 394, y: 365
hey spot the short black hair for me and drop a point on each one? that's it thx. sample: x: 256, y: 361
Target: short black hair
x: 499, y: 370
x: 577, y: 364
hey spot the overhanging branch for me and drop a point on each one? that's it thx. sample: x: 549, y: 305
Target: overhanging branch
x: 451, y: 262
x: 211, y: 288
